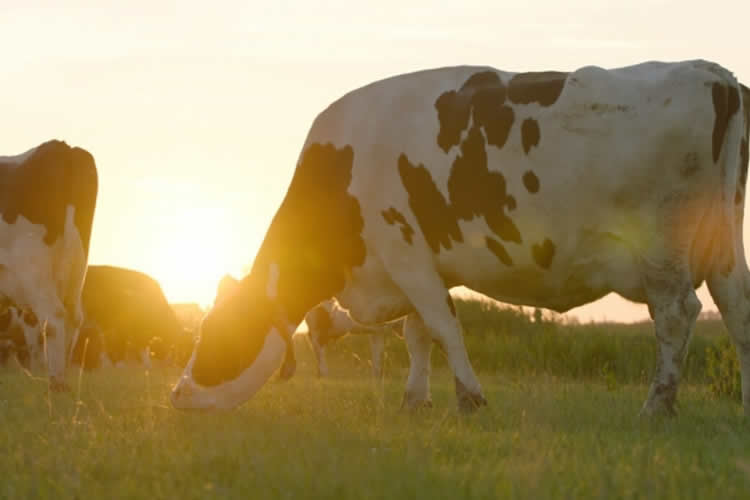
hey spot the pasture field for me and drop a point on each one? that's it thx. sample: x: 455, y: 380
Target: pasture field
x: 561, y: 423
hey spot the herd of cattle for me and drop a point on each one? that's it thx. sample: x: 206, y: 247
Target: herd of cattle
x: 546, y: 189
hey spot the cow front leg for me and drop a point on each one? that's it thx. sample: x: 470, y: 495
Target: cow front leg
x: 674, y: 308
x: 54, y: 334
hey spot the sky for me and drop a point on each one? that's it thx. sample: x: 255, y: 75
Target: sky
x: 196, y: 111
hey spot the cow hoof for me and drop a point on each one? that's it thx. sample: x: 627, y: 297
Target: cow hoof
x: 653, y: 409
x: 58, y: 386
x: 411, y: 402
x: 468, y: 402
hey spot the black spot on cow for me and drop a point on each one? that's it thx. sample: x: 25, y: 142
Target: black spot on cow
x: 529, y: 134
x: 531, y: 181
x: 314, y: 239
x: 393, y: 216
x: 321, y: 323
x: 544, y: 253
x: 543, y: 87
x: 450, y: 303
x: 499, y: 250
x: 476, y: 191
x: 53, y: 177
x: 5, y: 318
x: 496, y: 122
x: 726, y: 101
x: 743, y: 160
x: 483, y: 94
x: 690, y: 165
x: 30, y: 318
x: 510, y: 202
x: 435, y: 216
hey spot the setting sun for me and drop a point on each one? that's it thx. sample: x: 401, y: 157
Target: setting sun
x: 190, y: 253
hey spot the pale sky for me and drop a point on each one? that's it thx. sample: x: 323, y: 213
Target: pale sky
x: 196, y: 111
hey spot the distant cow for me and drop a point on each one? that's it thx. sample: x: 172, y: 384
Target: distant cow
x: 328, y: 322
x: 47, y: 200
x: 131, y: 314
x: 544, y: 189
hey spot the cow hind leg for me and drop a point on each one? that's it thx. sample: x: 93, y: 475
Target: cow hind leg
x: 319, y: 351
x: 419, y: 345
x: 377, y: 342
x: 732, y: 296
x: 674, y: 307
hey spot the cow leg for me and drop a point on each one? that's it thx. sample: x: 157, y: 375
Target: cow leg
x: 732, y: 296
x: 145, y: 357
x: 377, y: 341
x: 419, y: 345
x: 674, y: 308
x: 320, y: 354
x: 55, y: 342
x: 322, y: 362
x: 289, y: 365
x: 434, y: 305
x: 445, y: 329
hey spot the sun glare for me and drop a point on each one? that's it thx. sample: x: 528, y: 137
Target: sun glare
x: 194, y: 250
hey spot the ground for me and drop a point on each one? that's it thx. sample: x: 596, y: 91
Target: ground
x: 544, y: 435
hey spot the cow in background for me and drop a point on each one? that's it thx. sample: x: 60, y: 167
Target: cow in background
x: 326, y: 323
x: 47, y: 202
x: 129, y: 319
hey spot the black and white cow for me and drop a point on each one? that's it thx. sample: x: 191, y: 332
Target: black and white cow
x: 328, y: 321
x: 47, y: 202
x: 128, y: 319
x: 545, y: 189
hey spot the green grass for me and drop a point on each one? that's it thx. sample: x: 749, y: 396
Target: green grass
x: 550, y: 431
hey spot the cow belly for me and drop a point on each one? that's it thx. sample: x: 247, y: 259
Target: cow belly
x: 583, y: 269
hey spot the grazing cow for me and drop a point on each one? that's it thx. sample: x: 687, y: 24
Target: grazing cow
x: 328, y: 321
x: 543, y: 189
x: 131, y: 314
x: 47, y: 201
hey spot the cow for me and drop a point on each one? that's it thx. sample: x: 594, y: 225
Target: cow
x: 328, y: 321
x: 47, y: 201
x: 546, y: 189
x: 129, y: 312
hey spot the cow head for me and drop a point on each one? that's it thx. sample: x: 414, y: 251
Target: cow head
x: 312, y: 245
x: 240, y: 345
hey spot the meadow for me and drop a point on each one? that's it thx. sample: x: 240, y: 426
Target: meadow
x: 562, y: 422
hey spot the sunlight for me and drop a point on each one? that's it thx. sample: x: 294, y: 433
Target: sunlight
x: 193, y: 252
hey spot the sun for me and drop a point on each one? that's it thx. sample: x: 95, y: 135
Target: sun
x: 194, y: 248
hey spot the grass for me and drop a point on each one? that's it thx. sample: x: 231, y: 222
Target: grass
x: 553, y: 431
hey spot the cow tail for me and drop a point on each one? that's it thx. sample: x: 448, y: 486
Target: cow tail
x: 733, y: 199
